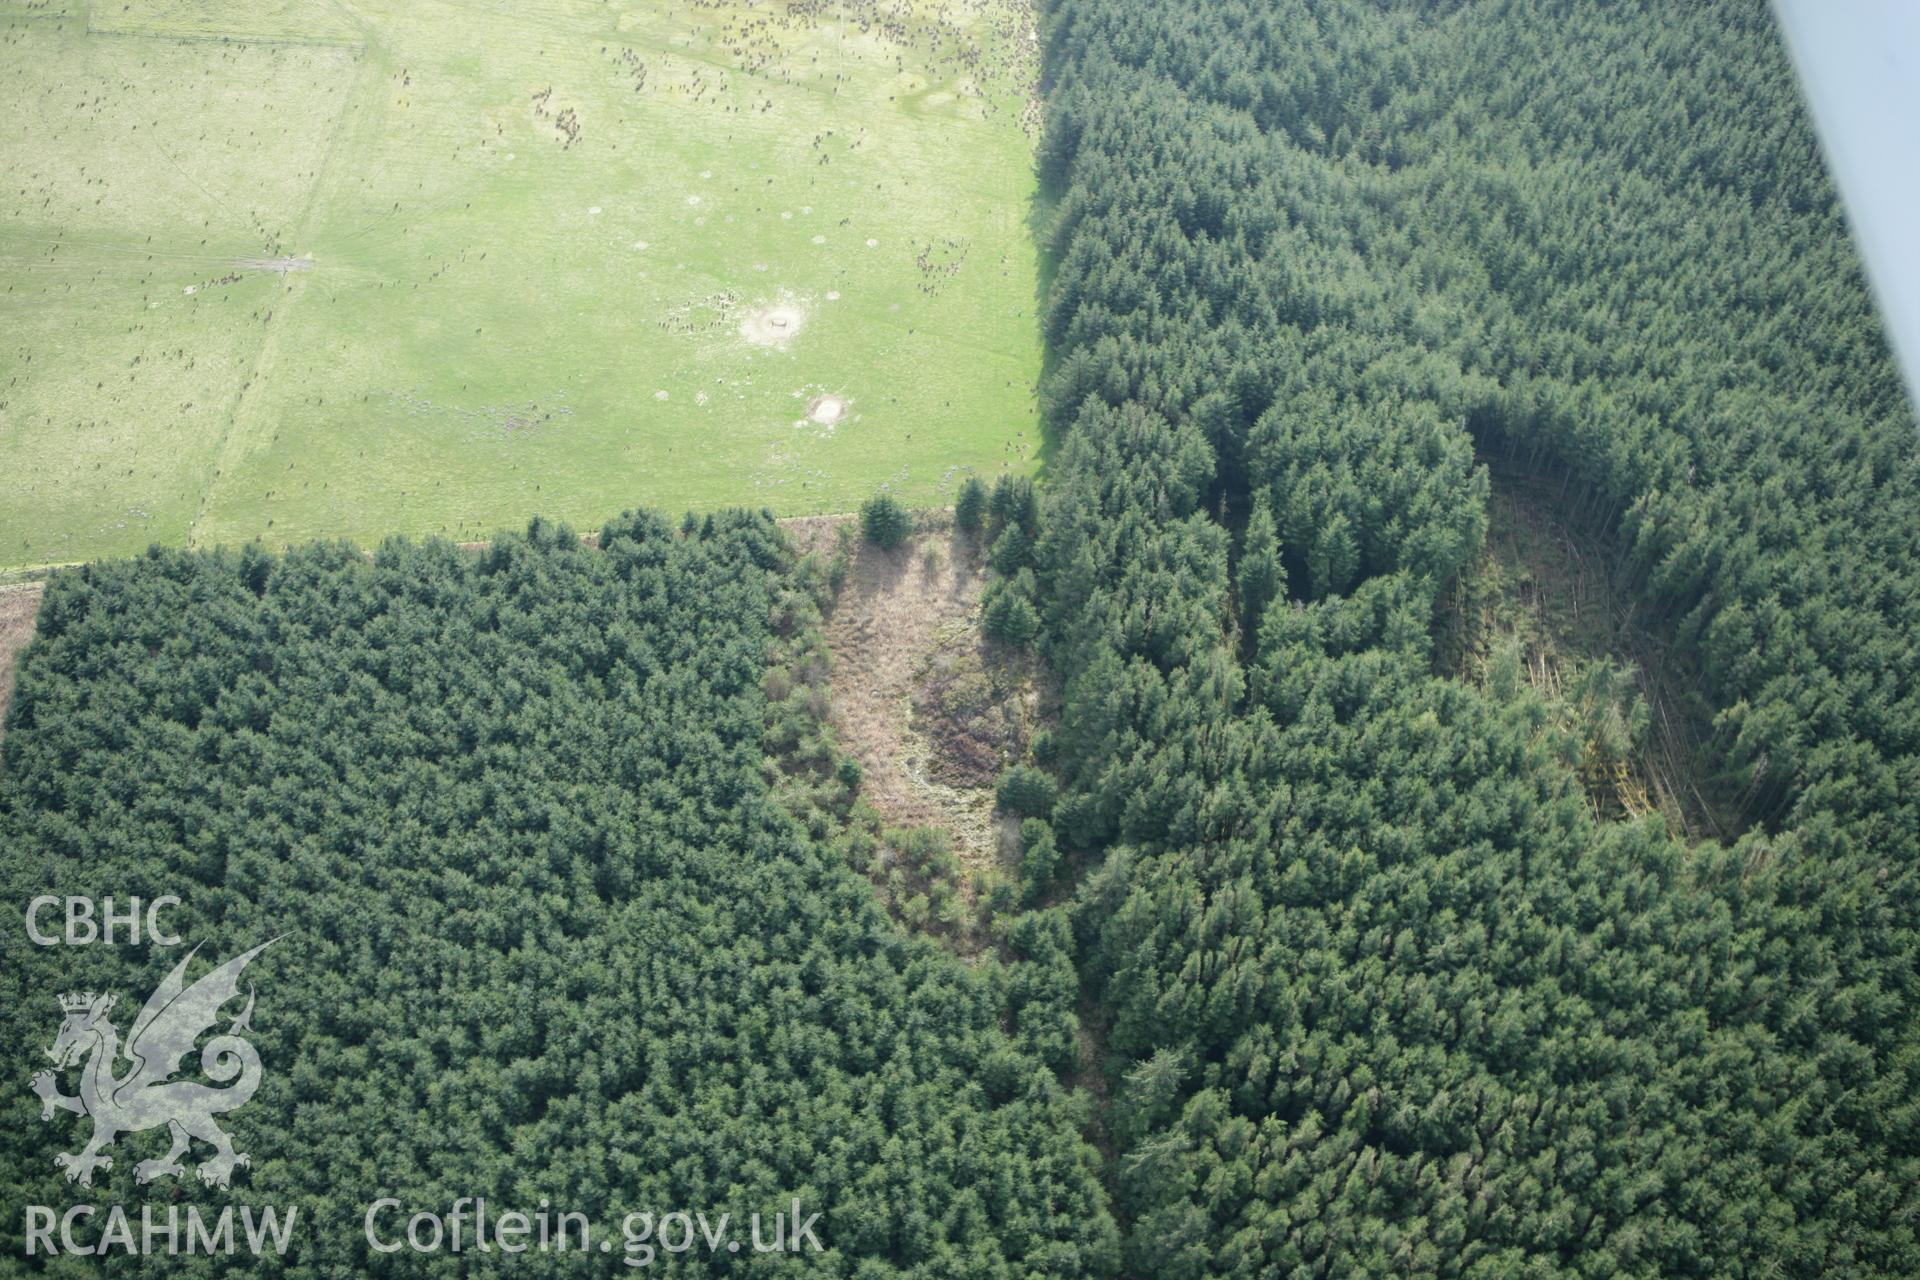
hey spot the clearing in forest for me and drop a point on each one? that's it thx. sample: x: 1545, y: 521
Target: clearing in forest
x: 1544, y: 604
x: 19, y: 615
x: 930, y: 710
x: 310, y: 268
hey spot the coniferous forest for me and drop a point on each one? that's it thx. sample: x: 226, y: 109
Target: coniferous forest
x: 1326, y: 962
x: 1385, y: 998
x: 547, y: 932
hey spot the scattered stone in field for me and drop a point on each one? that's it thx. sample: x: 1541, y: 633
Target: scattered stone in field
x: 707, y: 314
x: 693, y: 200
x: 833, y: 295
x: 826, y: 410
x: 819, y: 239
x: 639, y: 244
x: 281, y: 265
x: 872, y: 243
x: 594, y: 210
x: 660, y: 395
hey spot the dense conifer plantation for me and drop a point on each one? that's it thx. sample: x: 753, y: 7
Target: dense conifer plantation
x: 557, y: 844
x: 1385, y: 997
x: 545, y: 932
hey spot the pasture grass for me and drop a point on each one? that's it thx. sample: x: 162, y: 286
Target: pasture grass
x: 306, y: 269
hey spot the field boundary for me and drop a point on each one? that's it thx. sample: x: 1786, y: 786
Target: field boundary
x: 490, y: 324
x: 223, y: 452
x: 218, y: 37
x: 192, y: 37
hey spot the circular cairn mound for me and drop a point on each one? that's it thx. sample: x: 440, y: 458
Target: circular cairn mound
x: 773, y: 326
x: 827, y: 410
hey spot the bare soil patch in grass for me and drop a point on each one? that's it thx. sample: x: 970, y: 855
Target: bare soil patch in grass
x: 773, y: 326
x: 827, y: 410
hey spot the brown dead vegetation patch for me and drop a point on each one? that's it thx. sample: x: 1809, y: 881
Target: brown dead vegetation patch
x: 972, y: 712
x: 19, y: 614
x: 930, y: 712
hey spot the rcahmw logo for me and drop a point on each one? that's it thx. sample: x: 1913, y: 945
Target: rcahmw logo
x: 147, y: 1095
x: 85, y: 920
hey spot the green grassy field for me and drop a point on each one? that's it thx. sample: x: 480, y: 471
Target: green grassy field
x: 305, y: 268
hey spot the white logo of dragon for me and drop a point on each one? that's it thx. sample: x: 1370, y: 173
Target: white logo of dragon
x: 147, y: 1097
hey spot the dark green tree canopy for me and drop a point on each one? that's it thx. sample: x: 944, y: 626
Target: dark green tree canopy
x: 884, y: 522
x: 544, y: 930
x: 1384, y: 997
